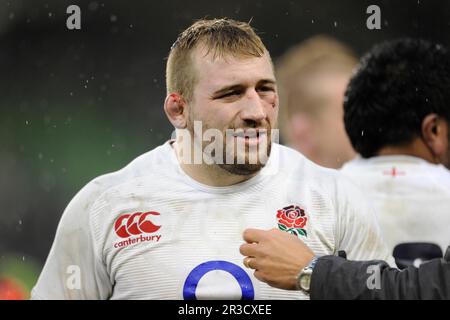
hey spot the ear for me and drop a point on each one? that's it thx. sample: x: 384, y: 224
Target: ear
x: 435, y: 135
x: 175, y: 108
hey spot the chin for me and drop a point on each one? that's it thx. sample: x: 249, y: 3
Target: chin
x: 242, y: 169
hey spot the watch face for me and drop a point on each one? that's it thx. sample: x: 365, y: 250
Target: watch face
x: 305, y: 280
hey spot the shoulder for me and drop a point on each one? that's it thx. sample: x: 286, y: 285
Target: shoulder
x: 297, y: 166
x: 329, y: 185
x: 150, y: 162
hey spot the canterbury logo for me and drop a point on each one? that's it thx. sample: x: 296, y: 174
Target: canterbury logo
x: 134, y: 224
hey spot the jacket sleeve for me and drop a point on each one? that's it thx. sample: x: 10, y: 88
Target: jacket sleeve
x: 337, y: 278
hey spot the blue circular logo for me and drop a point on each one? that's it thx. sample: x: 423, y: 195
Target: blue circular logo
x: 192, y: 280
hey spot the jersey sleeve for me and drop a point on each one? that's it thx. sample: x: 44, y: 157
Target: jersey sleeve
x: 357, y: 230
x: 74, y: 270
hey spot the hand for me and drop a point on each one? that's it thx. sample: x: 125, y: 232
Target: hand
x: 277, y: 256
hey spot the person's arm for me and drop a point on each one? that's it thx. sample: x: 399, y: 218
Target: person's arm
x: 278, y: 258
x: 337, y: 278
x: 74, y: 268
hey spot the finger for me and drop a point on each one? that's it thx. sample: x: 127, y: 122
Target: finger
x: 248, y: 249
x: 247, y: 261
x: 253, y: 235
x: 258, y: 275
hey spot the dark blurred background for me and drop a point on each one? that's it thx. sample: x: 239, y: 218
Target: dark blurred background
x: 77, y: 104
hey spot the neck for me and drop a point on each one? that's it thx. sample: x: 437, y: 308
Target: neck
x: 415, y: 149
x: 210, y: 174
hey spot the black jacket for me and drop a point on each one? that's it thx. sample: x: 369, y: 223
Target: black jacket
x: 337, y: 278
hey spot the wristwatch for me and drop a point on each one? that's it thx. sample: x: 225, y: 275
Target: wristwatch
x: 304, y: 277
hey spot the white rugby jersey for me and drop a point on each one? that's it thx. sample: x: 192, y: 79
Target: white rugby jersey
x: 411, y: 197
x: 149, y: 231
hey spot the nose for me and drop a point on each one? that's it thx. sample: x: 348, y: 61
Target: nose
x: 253, y: 107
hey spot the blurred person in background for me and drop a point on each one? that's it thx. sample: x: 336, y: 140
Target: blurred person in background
x: 312, y: 78
x: 397, y: 113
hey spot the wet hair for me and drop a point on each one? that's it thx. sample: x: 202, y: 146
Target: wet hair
x: 220, y: 37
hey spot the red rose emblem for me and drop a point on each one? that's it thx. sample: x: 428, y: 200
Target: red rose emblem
x: 292, y: 219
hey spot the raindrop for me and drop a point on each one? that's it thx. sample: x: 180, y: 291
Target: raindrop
x: 50, y: 14
x: 312, y: 21
x: 11, y: 16
x: 40, y: 156
x: 362, y: 133
x: 20, y: 222
x: 71, y: 93
x: 335, y: 24
x: 131, y: 26
x: 85, y: 86
x: 93, y: 6
x: 26, y: 122
x: 113, y: 18
x: 23, y: 258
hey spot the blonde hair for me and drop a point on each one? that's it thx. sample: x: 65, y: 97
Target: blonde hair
x: 220, y: 38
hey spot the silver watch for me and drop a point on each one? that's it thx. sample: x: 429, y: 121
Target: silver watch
x: 304, y: 277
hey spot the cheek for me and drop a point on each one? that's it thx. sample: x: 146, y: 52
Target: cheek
x: 218, y: 116
x: 272, y: 108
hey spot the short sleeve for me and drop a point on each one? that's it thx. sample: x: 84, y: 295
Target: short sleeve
x: 73, y: 270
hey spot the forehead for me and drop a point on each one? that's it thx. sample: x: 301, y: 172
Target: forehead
x: 213, y: 73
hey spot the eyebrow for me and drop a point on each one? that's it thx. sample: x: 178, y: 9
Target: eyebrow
x: 240, y: 86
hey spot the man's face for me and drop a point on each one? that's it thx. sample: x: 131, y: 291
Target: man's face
x: 239, y: 94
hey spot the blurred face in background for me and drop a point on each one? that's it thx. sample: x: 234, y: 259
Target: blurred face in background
x: 317, y: 129
x: 313, y: 77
